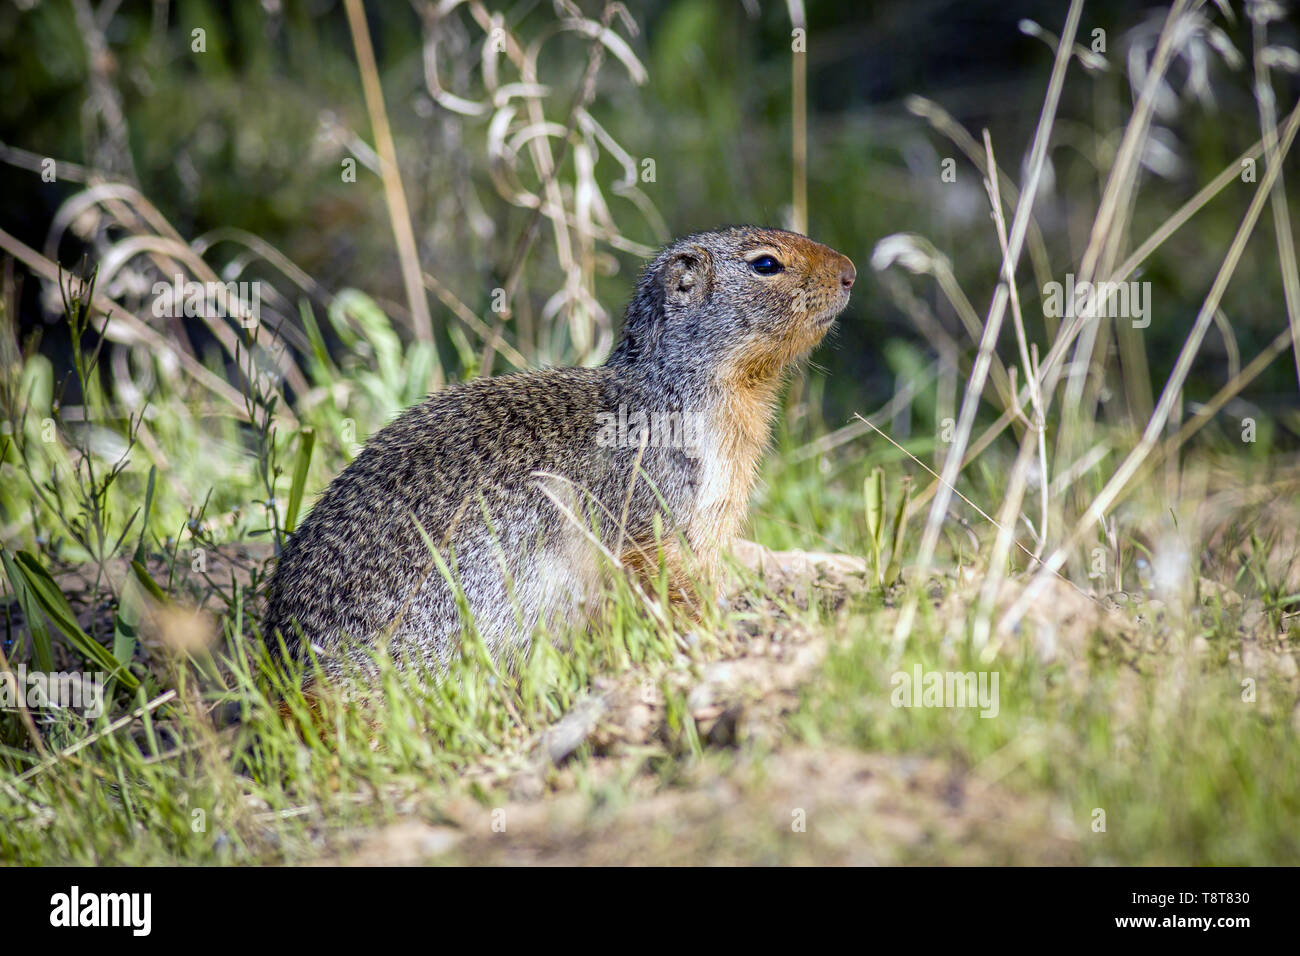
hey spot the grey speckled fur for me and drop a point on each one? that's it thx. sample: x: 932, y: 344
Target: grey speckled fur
x: 470, y: 464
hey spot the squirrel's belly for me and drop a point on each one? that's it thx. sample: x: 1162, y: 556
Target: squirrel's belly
x: 510, y: 589
x: 549, y: 595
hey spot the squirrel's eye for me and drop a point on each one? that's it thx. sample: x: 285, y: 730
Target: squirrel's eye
x: 766, y: 266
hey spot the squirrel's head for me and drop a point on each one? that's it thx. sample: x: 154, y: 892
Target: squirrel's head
x: 739, y: 302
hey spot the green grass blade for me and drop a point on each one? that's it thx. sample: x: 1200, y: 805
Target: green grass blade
x: 144, y: 519
x: 306, y: 443
x: 899, y: 534
x: 149, y: 584
x: 42, y: 642
x: 56, y: 607
x: 126, y: 626
x: 873, y: 493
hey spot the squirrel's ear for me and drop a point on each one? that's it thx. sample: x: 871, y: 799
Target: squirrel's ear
x: 688, y: 277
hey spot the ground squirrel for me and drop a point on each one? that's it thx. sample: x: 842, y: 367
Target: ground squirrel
x: 524, y: 484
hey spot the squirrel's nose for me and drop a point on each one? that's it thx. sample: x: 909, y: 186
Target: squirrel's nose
x: 847, y: 275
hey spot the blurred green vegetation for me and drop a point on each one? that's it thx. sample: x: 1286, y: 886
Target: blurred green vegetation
x: 250, y: 134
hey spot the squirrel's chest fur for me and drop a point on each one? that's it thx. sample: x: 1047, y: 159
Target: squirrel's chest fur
x: 736, y: 435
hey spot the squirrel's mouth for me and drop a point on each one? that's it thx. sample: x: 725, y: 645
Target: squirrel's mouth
x: 827, y: 318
